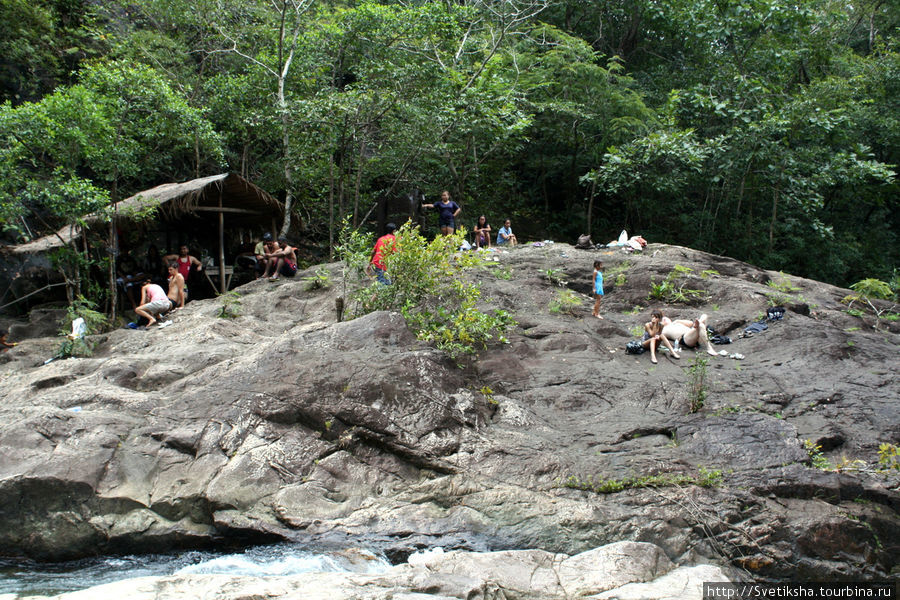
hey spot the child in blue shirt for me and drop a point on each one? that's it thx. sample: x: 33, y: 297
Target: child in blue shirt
x: 598, y: 287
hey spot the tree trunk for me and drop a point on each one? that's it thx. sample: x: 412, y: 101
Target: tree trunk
x: 331, y: 206
x: 775, y: 195
x: 113, y: 253
x: 359, y: 169
x: 590, y: 209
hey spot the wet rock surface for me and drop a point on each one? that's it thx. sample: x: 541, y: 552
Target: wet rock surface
x: 283, y: 424
x: 639, y: 570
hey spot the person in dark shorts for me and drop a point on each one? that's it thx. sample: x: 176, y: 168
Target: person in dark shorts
x: 448, y: 210
x: 282, y: 261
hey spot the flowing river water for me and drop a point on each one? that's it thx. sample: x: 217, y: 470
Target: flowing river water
x: 25, y: 579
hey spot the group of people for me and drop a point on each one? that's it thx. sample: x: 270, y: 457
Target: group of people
x: 660, y: 329
x: 275, y: 258
x: 448, y: 211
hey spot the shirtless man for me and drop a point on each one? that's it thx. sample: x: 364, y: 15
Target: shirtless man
x: 281, y: 259
x: 154, y: 302
x: 689, y: 334
x: 177, y: 290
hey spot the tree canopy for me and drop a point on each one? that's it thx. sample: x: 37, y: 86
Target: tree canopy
x: 757, y: 129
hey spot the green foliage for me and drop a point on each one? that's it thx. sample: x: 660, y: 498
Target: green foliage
x: 231, y: 305
x: 769, y: 131
x: 698, y: 389
x: 816, y: 457
x: 566, y: 302
x: 783, y: 285
x: 94, y: 322
x: 704, y: 478
x: 555, y: 277
x: 354, y: 249
x: 672, y: 289
x: 873, y: 288
x: 429, y: 287
x: 488, y: 393
x: 888, y: 457
x: 617, y: 273
x: 321, y: 279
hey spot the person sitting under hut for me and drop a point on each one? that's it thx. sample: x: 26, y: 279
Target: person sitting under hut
x: 281, y: 259
x: 154, y: 302
x: 185, y: 261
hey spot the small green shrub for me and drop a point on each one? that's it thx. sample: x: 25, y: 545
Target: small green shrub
x: 704, y: 478
x: 566, y: 302
x: 94, y: 322
x: 873, y: 288
x: 320, y: 280
x: 231, y: 305
x: 616, y: 274
x: 555, y: 277
x: 888, y: 457
x: 818, y: 460
x: 783, y: 284
x: 488, y: 393
x: 672, y: 289
x: 697, y: 385
x: 430, y: 289
x: 778, y: 299
x: 864, y: 292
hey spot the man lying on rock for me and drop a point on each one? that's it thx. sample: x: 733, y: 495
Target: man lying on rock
x: 689, y: 334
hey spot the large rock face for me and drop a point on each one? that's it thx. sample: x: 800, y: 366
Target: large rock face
x: 282, y: 423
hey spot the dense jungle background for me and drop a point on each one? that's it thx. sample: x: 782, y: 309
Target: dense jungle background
x: 763, y: 130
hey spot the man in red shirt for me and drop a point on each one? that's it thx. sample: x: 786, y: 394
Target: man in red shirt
x: 383, y: 246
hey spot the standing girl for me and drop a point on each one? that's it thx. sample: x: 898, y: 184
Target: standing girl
x: 598, y: 287
x: 448, y: 210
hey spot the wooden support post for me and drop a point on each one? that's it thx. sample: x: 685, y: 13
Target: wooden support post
x: 222, y: 289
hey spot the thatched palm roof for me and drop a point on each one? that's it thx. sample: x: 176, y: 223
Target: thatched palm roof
x: 175, y: 200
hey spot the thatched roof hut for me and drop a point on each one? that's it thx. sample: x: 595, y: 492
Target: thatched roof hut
x: 228, y: 193
x: 199, y: 205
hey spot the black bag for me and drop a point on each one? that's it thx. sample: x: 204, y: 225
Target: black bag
x: 634, y: 347
x: 775, y: 313
x: 584, y: 242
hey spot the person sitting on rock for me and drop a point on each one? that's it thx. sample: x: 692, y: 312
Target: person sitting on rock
x: 154, y: 302
x: 282, y: 260
x: 4, y: 344
x: 690, y: 334
x: 653, y: 335
x: 482, y: 233
x: 505, y: 235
